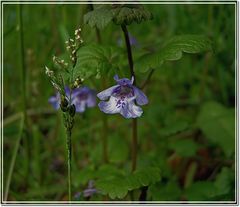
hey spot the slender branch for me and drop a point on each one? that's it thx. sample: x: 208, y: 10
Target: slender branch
x: 24, y: 94
x: 13, y: 160
x: 22, y: 61
x: 147, y: 79
x: 129, y: 51
x: 69, y: 155
x: 134, y: 121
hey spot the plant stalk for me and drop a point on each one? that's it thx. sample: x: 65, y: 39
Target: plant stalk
x: 69, y: 155
x: 129, y: 51
x: 23, y: 90
x: 134, y: 121
x: 13, y: 160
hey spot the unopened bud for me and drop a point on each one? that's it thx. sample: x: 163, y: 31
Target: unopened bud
x: 72, y: 110
x: 64, y: 104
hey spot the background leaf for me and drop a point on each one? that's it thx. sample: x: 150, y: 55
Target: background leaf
x: 184, y: 147
x: 173, y: 50
x: 218, y: 124
x: 98, y: 18
x: 119, y: 185
x: 96, y: 60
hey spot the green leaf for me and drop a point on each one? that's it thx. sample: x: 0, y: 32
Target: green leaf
x: 127, y: 14
x: 173, y: 50
x: 224, y: 181
x: 96, y: 60
x: 184, y: 147
x: 117, y: 186
x: 98, y: 17
x: 108, y: 171
x: 174, y: 128
x: 201, y: 190
x: 101, y: 16
x: 84, y: 176
x: 165, y: 192
x: 218, y: 124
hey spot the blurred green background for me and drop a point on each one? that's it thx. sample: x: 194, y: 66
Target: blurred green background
x: 187, y: 129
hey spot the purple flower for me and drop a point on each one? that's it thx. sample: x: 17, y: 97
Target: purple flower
x: 82, y: 98
x: 123, y: 99
x: 90, y: 190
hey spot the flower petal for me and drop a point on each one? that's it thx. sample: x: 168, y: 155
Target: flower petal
x: 80, y: 106
x: 109, y: 107
x: 141, y: 98
x: 89, y: 192
x: 55, y: 101
x: 91, y: 100
x: 67, y: 91
x: 130, y: 110
x: 116, y: 78
x: 106, y: 93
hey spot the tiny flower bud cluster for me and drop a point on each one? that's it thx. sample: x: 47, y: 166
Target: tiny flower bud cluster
x: 60, y: 62
x: 53, y: 79
x: 77, y: 82
x: 72, y: 45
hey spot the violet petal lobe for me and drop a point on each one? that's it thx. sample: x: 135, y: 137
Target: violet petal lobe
x: 130, y: 110
x: 106, y: 93
x: 109, y: 107
x: 91, y: 100
x: 141, y: 98
x: 55, y: 101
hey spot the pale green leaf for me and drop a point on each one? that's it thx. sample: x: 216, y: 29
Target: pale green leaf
x: 117, y: 186
x: 173, y: 50
x: 95, y: 60
x: 98, y: 17
x: 184, y: 147
x: 218, y: 124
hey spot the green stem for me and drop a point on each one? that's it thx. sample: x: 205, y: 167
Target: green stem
x: 147, y: 79
x: 134, y: 121
x: 129, y: 51
x: 69, y: 157
x: 23, y: 90
x: 22, y: 62
x: 12, y: 163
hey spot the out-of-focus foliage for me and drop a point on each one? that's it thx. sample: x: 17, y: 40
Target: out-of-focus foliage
x: 173, y: 51
x: 186, y: 146
x: 125, y: 14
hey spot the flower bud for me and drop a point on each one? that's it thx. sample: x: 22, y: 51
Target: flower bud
x: 64, y: 104
x: 72, y: 110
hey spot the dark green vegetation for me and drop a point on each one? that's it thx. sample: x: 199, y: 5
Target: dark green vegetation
x: 186, y: 136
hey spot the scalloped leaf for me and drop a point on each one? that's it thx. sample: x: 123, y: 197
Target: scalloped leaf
x: 118, y: 186
x: 99, y: 18
x: 127, y: 14
x: 95, y: 60
x: 173, y: 50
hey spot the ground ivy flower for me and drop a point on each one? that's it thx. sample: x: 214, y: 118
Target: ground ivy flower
x: 82, y: 98
x: 88, y: 192
x: 122, y: 99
